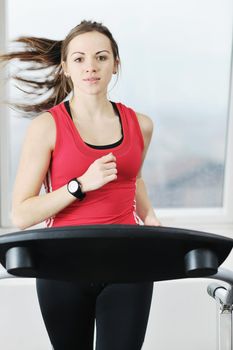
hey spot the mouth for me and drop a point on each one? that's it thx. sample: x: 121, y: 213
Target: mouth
x: 91, y: 79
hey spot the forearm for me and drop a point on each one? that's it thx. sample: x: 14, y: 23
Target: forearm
x: 144, y: 208
x: 37, y: 209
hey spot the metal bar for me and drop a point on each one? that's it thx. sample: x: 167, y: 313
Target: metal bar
x: 224, y: 325
x: 221, y: 293
x: 223, y: 274
x: 224, y: 298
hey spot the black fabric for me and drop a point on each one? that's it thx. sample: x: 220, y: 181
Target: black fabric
x: 69, y: 310
x: 67, y: 106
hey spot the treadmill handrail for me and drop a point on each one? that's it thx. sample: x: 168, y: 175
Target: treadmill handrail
x: 224, y: 275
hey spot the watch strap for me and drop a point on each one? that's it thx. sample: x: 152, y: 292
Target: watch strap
x: 78, y: 194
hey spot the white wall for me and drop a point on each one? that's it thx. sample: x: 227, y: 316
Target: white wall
x: 182, y: 317
x: 21, y: 323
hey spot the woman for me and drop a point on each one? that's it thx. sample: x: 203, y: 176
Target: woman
x: 88, y: 151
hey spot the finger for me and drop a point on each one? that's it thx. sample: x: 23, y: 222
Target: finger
x: 110, y: 178
x: 110, y: 172
x: 110, y: 165
x: 108, y: 157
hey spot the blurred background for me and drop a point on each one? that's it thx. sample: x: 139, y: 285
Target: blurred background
x: 176, y: 64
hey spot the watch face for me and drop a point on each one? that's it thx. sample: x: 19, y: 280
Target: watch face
x: 73, y: 186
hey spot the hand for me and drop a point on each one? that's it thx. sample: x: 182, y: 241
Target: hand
x: 152, y: 221
x: 99, y: 173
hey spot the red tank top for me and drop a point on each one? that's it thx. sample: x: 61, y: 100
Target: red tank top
x: 113, y: 203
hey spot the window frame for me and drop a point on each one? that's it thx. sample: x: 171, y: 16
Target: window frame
x: 4, y: 129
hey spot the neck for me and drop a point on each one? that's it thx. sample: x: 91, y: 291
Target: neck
x: 91, y: 108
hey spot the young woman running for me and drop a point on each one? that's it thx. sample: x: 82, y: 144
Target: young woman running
x: 88, y: 152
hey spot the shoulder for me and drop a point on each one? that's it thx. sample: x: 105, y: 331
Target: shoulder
x: 146, y: 124
x: 42, y: 124
x: 42, y: 120
x: 43, y: 128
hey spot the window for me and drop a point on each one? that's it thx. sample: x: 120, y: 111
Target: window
x: 176, y: 68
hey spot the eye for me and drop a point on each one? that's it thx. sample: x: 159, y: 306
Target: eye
x: 102, y: 58
x: 79, y: 59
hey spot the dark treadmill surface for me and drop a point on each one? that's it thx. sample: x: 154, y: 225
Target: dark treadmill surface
x: 114, y: 253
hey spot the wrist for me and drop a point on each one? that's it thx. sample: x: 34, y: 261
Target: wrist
x: 74, y: 187
x: 152, y: 220
x: 146, y: 213
x: 149, y: 216
x: 82, y: 183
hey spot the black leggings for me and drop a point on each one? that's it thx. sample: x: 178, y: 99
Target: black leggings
x: 69, y: 310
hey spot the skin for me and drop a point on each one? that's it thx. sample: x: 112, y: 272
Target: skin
x: 91, y: 110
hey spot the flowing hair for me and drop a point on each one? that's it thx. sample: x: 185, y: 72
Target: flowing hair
x: 42, y: 53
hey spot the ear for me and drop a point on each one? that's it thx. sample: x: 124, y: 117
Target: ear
x: 64, y: 67
x: 116, y: 64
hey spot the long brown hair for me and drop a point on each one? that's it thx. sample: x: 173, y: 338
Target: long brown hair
x: 42, y: 53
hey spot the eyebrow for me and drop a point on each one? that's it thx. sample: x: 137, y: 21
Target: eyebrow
x: 83, y: 53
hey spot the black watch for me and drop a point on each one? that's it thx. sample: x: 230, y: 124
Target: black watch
x: 74, y: 187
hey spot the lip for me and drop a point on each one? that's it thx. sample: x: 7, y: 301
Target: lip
x: 91, y: 79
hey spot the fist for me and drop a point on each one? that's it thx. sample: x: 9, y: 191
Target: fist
x: 99, y: 173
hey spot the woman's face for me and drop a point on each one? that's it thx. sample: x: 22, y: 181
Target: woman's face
x: 90, y: 63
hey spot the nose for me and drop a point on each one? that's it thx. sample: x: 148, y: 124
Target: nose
x: 91, y: 66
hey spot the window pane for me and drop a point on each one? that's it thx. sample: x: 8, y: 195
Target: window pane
x: 176, y: 60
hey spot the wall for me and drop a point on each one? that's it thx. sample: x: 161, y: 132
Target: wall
x: 182, y: 317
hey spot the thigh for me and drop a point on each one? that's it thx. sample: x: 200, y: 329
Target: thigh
x: 122, y: 312
x: 68, y: 311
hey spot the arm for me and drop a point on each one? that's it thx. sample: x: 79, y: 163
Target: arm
x: 144, y: 207
x: 28, y: 207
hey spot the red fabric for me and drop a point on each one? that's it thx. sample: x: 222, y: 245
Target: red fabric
x: 114, y: 203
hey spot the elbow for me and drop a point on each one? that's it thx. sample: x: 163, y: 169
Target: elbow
x: 18, y: 221
x: 18, y: 224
